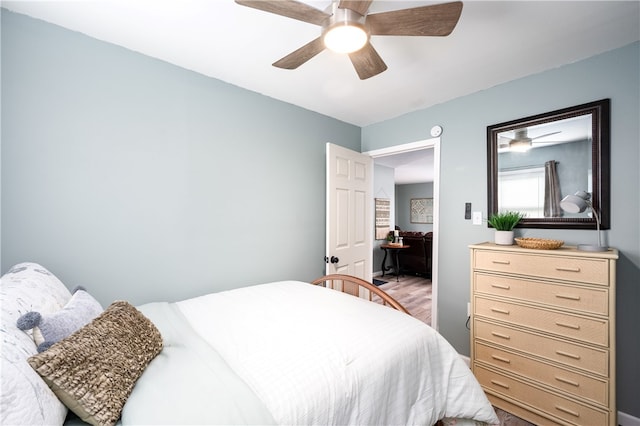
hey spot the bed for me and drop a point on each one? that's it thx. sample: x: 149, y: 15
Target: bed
x: 284, y: 352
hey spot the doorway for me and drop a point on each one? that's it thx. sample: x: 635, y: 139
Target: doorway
x: 429, y: 148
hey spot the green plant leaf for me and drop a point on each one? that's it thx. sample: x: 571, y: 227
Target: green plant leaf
x: 505, y: 221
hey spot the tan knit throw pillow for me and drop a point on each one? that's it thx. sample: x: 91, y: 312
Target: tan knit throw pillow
x: 94, y: 370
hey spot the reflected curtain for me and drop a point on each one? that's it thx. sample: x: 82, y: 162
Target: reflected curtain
x: 551, y: 190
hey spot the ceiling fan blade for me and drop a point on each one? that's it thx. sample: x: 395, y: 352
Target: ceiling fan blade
x: 434, y: 20
x: 367, y: 62
x: 546, y: 134
x: 359, y: 6
x: 298, y: 57
x: 289, y: 8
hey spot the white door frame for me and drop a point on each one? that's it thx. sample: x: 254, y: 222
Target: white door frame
x: 415, y: 146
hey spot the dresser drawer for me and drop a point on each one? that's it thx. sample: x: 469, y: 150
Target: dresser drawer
x: 555, y: 405
x: 594, y: 300
x: 586, y: 329
x: 526, y: 414
x: 577, y: 384
x: 584, y: 270
x: 571, y: 354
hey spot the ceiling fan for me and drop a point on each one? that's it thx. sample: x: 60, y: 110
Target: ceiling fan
x: 521, y: 141
x: 350, y: 17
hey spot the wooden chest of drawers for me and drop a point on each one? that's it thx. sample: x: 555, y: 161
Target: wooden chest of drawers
x: 543, y: 332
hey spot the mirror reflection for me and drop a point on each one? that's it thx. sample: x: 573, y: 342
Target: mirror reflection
x: 539, y: 163
x: 535, y: 162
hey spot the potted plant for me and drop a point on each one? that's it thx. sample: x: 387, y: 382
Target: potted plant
x: 390, y: 237
x: 393, y: 238
x: 504, y: 222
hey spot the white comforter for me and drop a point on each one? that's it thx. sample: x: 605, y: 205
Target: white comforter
x: 317, y: 356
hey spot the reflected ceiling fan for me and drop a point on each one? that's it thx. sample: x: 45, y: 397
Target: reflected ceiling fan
x: 521, y: 141
x: 347, y: 28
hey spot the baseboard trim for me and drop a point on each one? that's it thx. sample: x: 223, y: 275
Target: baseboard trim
x: 627, y: 419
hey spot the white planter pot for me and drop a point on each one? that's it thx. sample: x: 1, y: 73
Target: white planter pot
x: 504, y: 238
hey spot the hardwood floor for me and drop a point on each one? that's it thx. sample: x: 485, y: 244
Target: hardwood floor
x: 415, y: 294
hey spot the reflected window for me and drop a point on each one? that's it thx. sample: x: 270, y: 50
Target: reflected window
x: 522, y: 190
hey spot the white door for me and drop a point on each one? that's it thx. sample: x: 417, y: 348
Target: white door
x: 349, y: 220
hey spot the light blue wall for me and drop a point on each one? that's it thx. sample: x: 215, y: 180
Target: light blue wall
x: 463, y: 177
x: 404, y: 194
x: 141, y: 180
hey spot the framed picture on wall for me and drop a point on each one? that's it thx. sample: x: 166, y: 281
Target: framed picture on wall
x: 421, y: 210
x: 383, y: 209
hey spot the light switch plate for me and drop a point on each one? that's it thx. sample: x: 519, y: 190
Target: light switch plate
x: 477, y: 218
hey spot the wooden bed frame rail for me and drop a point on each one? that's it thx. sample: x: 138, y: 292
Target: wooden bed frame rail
x: 351, y: 285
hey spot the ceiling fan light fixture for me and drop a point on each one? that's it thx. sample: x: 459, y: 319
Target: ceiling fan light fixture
x: 521, y: 142
x: 344, y: 31
x: 345, y: 38
x: 520, y: 145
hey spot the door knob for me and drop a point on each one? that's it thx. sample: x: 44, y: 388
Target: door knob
x: 334, y: 259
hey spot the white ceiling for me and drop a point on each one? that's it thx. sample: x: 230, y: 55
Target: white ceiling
x: 494, y: 42
x: 410, y: 167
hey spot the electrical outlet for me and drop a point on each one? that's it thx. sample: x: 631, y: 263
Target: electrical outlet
x: 477, y: 218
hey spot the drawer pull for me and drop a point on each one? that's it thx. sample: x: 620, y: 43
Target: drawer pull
x: 502, y: 385
x: 566, y: 410
x: 504, y: 287
x: 501, y: 262
x: 567, y: 354
x: 567, y: 296
x: 499, y: 358
x: 500, y: 335
x: 500, y: 311
x: 571, y: 326
x: 567, y: 381
x: 567, y: 269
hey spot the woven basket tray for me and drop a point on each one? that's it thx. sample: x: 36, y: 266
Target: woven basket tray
x: 539, y: 243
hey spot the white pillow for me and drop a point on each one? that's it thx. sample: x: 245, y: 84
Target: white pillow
x: 24, y: 397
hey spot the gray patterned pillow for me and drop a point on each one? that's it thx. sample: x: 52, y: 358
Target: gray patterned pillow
x: 49, y: 329
x: 94, y: 370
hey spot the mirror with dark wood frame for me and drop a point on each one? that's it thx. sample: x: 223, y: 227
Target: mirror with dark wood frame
x: 534, y: 162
